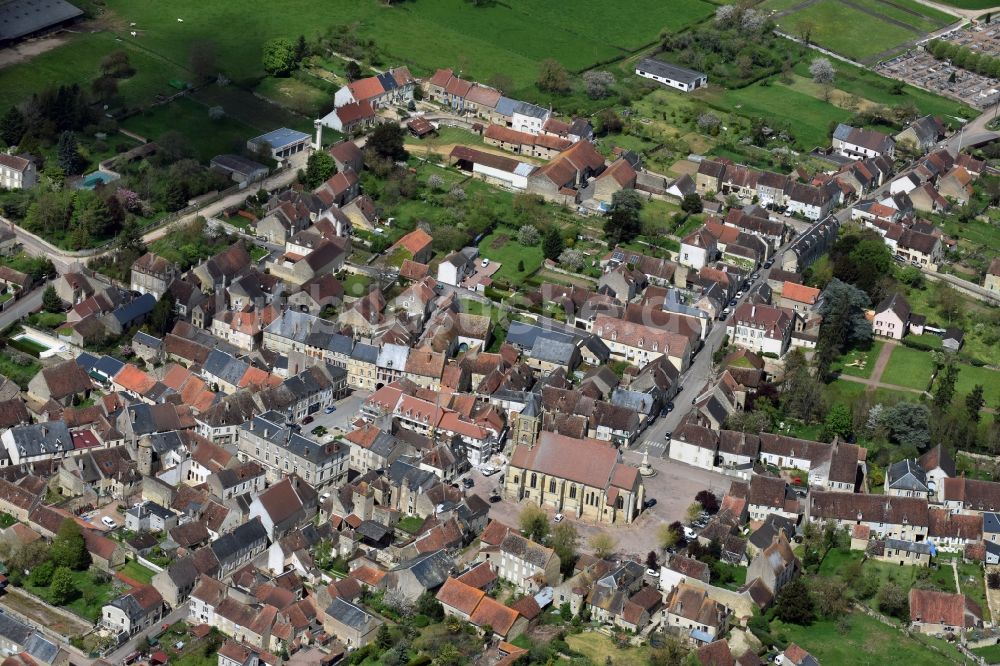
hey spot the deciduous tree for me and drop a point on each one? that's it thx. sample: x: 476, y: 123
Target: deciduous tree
x: 708, y: 501
x: 892, y: 600
x: 386, y: 141
x: 534, y: 522
x: 822, y: 71
x: 598, y: 84
x: 278, y: 56
x: 552, y: 76
x: 668, y: 536
x: 528, y: 235
x: 68, y: 547
x: 319, y: 167
x: 564, y: 542
x: 63, y: 588
x: 603, y: 544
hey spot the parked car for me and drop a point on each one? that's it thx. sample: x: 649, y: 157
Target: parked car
x: 650, y: 503
x: 669, y: 407
x: 559, y: 518
x: 486, y: 262
x: 668, y: 435
x: 467, y: 482
x: 689, y: 533
x: 769, y: 263
x: 732, y: 302
x: 494, y: 499
x: 109, y: 522
x: 652, y: 573
x: 330, y: 410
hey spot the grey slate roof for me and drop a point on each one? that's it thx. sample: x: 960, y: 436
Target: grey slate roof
x: 991, y: 523
x: 921, y: 547
x: 41, y: 648
x: 224, y: 366
x: 39, y: 438
x: 430, y: 569
x: 23, y: 17
x: 146, y: 339
x: 637, y: 401
x: 668, y: 71
x: 552, y: 351
x: 13, y: 629
x: 906, y: 475
x: 243, y: 536
x: 353, y: 616
x: 365, y: 353
x: 130, y: 312
x: 529, y: 109
x: 288, y: 438
x: 402, y: 472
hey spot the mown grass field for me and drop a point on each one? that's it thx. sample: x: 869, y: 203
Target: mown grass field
x: 913, y: 367
x: 858, y: 362
x: 78, y: 61
x: 502, y: 246
x: 847, y: 31
x: 908, y: 367
x: 209, y: 137
x: 867, y: 642
x: 510, y: 37
x: 863, y: 29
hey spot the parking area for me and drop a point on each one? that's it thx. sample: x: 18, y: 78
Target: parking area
x: 340, y: 420
x: 673, y: 487
x: 94, y: 518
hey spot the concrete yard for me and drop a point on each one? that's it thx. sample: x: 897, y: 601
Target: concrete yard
x: 673, y: 487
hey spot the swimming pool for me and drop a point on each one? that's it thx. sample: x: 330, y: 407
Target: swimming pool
x: 93, y: 179
x: 45, y: 345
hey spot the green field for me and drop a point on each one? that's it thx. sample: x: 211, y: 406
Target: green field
x: 78, y: 61
x: 970, y: 4
x: 502, y: 246
x: 867, y: 642
x: 908, y: 367
x: 807, y: 117
x: 910, y: 12
x: 990, y: 653
x: 830, y: 20
x: 208, y: 137
x: 510, y: 37
x: 912, y: 368
x: 136, y: 571
x: 970, y: 375
x: 843, y: 392
x: 863, y: 29
x: 296, y: 95
x: 846, y: 364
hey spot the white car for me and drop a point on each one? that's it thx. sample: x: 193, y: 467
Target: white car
x: 486, y: 262
x: 652, y: 573
x: 109, y: 523
x: 689, y: 533
x: 559, y: 518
